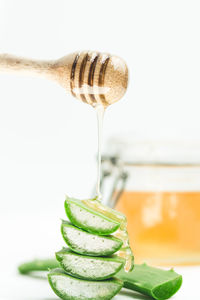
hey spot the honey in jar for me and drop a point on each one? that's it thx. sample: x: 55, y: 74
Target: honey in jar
x: 160, y: 196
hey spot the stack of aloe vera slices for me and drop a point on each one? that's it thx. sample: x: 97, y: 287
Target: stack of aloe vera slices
x: 84, y: 270
x: 89, y: 264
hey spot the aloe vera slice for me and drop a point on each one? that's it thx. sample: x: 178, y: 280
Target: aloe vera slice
x: 38, y: 265
x: 154, y: 282
x: 88, y: 219
x: 150, y: 281
x: 88, y: 267
x: 86, y: 243
x: 67, y: 287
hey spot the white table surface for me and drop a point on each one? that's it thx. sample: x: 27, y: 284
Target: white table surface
x: 25, y: 236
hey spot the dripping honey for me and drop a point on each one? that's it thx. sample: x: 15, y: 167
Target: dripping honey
x: 121, y: 233
x: 95, y: 204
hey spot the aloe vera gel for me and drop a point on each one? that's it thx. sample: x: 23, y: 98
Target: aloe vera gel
x: 87, y: 243
x: 88, y: 264
x: 82, y: 216
x: 68, y: 287
x: 98, y: 268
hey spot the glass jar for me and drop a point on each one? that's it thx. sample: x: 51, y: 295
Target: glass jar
x: 157, y: 186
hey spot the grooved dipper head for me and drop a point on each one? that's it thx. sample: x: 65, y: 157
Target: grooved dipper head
x: 94, y: 77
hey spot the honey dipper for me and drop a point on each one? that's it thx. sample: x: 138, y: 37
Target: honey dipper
x: 90, y: 76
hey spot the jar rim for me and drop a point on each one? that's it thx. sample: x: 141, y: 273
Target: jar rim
x: 154, y: 152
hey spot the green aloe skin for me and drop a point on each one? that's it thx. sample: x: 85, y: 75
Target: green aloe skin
x: 38, y: 265
x: 87, y: 243
x: 86, y: 268
x: 154, y: 282
x: 86, y: 218
x: 85, y: 271
x: 68, y: 287
x: 89, y: 267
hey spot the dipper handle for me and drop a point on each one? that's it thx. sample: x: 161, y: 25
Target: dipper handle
x: 90, y: 76
x: 9, y: 63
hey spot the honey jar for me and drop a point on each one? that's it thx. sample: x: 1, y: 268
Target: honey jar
x: 157, y: 186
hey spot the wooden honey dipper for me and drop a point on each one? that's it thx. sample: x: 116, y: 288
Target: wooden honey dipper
x: 90, y: 76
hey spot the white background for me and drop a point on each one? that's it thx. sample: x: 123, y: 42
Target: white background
x: 48, y: 139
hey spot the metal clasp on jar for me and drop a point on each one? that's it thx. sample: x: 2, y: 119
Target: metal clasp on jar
x: 113, y: 180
